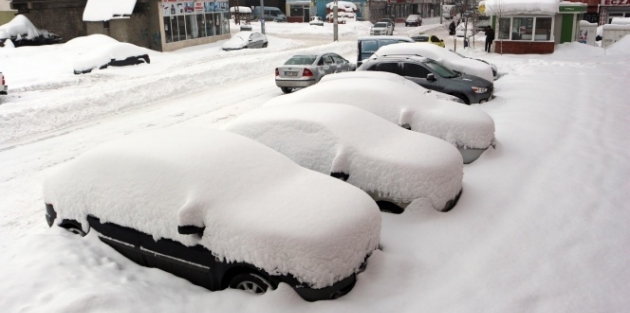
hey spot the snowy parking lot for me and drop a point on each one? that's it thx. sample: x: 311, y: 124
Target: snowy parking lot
x: 542, y: 224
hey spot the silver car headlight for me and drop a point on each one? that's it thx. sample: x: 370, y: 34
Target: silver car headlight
x: 479, y: 89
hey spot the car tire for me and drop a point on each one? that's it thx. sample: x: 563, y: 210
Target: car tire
x: 250, y: 283
x: 386, y: 206
x: 463, y: 97
x: 264, y: 45
x: 73, y: 227
x: 286, y: 89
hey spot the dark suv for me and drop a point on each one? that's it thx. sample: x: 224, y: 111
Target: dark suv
x: 431, y: 75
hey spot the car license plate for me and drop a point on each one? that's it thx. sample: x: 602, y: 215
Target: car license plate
x: 290, y: 74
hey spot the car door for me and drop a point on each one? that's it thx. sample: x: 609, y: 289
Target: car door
x: 418, y: 74
x: 341, y: 63
x: 329, y: 66
x: 256, y: 40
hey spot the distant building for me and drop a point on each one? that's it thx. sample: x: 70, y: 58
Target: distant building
x: 6, y: 13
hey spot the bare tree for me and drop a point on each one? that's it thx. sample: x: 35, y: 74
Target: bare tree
x: 498, y: 9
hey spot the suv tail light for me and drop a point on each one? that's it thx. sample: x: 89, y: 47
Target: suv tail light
x: 307, y: 72
x: 277, y: 72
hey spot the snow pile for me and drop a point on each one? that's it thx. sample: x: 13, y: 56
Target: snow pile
x: 460, y: 125
x: 620, y: 21
x: 238, y: 41
x: 513, y: 7
x: 105, y: 10
x: 257, y: 206
x: 19, y: 27
x: 381, y: 158
x: 342, y: 6
x: 443, y: 56
x: 620, y: 47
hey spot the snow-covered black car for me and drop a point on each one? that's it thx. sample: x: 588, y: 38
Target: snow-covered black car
x: 219, y: 210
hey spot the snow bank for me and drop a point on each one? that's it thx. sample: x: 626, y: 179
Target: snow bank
x: 381, y: 158
x: 460, y: 125
x: 443, y: 56
x: 620, y: 47
x: 342, y: 5
x: 620, y: 21
x: 258, y: 206
x: 512, y: 7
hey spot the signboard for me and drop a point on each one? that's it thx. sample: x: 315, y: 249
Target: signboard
x: 183, y: 7
x: 615, y: 2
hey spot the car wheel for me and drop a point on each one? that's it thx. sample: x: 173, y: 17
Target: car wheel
x: 264, y: 45
x: 461, y: 96
x: 73, y: 227
x: 249, y: 282
x: 386, y: 206
x: 286, y: 89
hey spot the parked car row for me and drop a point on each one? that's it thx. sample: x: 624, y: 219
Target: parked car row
x: 301, y: 203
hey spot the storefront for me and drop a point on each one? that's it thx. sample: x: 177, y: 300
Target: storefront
x: 186, y: 23
x: 298, y: 11
x: 524, y: 27
x: 613, y: 8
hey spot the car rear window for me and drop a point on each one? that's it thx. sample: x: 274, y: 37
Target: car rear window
x: 301, y: 60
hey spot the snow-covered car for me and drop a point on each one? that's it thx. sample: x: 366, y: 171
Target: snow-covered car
x: 367, y: 45
x: 104, y: 51
x: 21, y: 32
x: 495, y: 69
x: 316, y: 21
x: 462, y: 30
x: 469, y: 129
x: 382, y: 28
x: 413, y: 20
x: 246, y: 40
x: 388, y: 20
x: 445, y: 57
x: 432, y: 39
x: 180, y: 200
x: 4, y: 89
x: 432, y: 75
x: 301, y: 71
x: 392, y: 77
x: 391, y: 164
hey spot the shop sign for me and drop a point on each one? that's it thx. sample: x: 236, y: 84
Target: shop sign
x: 615, y: 2
x: 181, y: 7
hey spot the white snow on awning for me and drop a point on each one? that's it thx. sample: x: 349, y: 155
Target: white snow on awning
x: 241, y: 10
x: 514, y: 7
x: 105, y: 10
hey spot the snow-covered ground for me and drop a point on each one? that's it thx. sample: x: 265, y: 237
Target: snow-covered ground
x: 542, y: 225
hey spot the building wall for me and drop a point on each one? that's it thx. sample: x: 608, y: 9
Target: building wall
x: 6, y: 16
x: 521, y: 47
x: 64, y: 19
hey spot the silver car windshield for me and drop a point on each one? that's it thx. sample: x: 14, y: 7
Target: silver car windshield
x: 301, y: 60
x: 380, y: 25
x: 441, y: 70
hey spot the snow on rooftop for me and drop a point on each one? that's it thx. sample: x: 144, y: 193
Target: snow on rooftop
x: 514, y: 7
x: 257, y: 205
x: 458, y: 124
x: 105, y: 10
x: 343, y: 5
x: 381, y: 158
x: 20, y: 25
x: 241, y: 10
x: 620, y: 21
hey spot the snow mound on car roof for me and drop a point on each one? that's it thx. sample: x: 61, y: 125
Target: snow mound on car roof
x: 257, y: 205
x: 98, y: 50
x: 460, y: 125
x: 441, y: 55
x: 381, y: 158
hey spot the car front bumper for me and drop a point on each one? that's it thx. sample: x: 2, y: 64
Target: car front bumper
x: 294, y: 83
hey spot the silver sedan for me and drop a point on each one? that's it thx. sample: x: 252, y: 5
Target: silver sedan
x: 305, y: 70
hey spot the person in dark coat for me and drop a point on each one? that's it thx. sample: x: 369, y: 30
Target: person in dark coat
x: 451, y: 28
x: 489, y: 38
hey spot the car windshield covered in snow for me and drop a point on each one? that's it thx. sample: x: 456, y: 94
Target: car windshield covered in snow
x: 393, y: 165
x: 182, y: 193
x: 301, y: 60
x: 441, y: 70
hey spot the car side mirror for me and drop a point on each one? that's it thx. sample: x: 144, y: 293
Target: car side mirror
x: 191, y: 230
x: 431, y: 77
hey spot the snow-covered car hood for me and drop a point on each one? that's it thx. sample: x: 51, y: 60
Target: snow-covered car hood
x: 443, y: 56
x: 380, y: 157
x: 460, y: 125
x: 235, y: 43
x: 257, y: 206
x: 101, y: 50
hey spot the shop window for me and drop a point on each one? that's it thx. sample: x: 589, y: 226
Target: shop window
x: 201, y: 25
x: 217, y: 24
x: 543, y: 29
x: 522, y: 28
x: 226, y: 22
x: 168, y: 36
x: 192, y: 31
x: 210, y: 24
x: 504, y: 28
x: 181, y: 24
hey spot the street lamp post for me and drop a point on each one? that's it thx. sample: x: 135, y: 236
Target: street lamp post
x: 262, y: 16
x: 335, y: 22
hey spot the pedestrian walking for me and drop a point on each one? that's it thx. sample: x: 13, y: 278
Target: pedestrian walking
x: 489, y: 38
x: 451, y: 28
